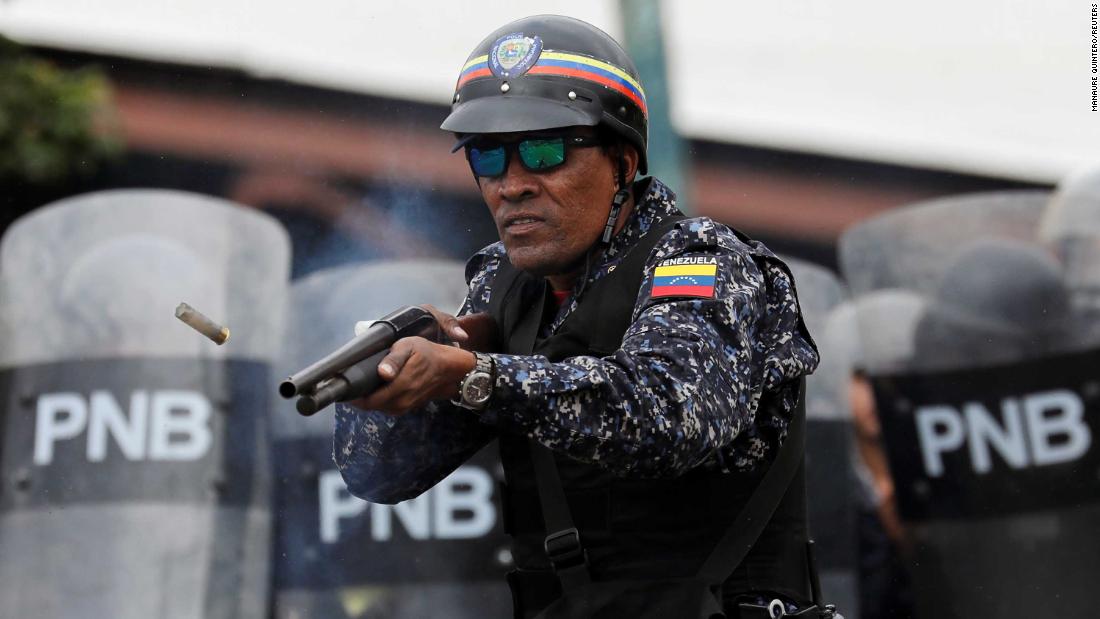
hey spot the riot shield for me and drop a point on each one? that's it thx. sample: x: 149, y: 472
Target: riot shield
x: 830, y: 476
x: 135, y: 466
x: 440, y: 554
x: 1070, y: 227
x: 988, y: 423
x: 884, y: 589
x: 877, y: 253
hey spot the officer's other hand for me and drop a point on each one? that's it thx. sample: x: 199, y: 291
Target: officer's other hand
x: 471, y: 332
x: 416, y: 372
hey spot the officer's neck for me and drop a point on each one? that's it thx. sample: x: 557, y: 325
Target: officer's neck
x: 567, y: 280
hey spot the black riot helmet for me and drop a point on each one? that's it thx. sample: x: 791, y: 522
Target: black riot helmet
x: 546, y: 72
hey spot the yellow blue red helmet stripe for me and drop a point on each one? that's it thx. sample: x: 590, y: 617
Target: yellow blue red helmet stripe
x: 475, y: 61
x: 475, y: 68
x: 548, y: 57
x: 564, y: 64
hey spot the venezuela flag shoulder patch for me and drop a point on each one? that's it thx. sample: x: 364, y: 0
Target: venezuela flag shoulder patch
x: 685, y: 276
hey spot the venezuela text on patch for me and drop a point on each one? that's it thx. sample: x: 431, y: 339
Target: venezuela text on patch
x: 686, y: 276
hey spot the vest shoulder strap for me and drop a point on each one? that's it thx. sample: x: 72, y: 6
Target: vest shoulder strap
x: 517, y: 298
x: 735, y: 545
x: 609, y: 309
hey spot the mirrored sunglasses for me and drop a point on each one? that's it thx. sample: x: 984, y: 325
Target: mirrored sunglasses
x: 536, y: 154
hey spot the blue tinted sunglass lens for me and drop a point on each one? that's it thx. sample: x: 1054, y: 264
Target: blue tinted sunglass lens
x: 488, y: 162
x: 542, y: 154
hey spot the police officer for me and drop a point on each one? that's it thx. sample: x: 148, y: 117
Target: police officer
x: 650, y: 362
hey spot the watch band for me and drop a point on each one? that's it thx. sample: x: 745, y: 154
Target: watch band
x: 483, y: 363
x: 482, y: 373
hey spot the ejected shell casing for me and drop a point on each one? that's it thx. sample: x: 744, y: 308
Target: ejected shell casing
x: 199, y: 322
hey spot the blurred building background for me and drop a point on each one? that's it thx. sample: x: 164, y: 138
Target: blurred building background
x: 797, y: 120
x: 792, y: 121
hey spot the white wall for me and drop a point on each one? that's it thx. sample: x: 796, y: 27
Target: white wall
x: 999, y: 87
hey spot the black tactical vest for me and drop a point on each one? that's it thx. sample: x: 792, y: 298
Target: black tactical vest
x: 632, y: 528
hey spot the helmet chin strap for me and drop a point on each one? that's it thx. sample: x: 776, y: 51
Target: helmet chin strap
x: 616, y: 203
x: 609, y: 229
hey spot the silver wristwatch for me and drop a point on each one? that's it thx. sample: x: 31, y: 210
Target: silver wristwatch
x: 476, y: 387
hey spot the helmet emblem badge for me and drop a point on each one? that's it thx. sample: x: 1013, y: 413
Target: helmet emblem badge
x: 513, y: 54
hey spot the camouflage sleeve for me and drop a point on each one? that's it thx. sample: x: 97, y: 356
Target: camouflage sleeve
x: 689, y: 375
x: 387, y: 459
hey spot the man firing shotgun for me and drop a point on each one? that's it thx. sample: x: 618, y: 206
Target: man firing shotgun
x: 646, y: 370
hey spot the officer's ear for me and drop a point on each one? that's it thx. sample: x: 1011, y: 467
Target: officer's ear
x: 630, y: 160
x: 622, y: 151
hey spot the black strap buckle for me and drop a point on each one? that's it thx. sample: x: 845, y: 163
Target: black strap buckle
x: 564, y: 549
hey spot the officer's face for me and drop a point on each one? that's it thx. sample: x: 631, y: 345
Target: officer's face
x: 547, y: 220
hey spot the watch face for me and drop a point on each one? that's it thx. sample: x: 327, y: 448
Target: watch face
x: 478, y: 388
